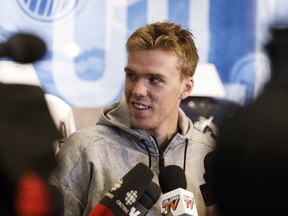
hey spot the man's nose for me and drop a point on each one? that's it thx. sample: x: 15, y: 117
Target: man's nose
x: 140, y: 89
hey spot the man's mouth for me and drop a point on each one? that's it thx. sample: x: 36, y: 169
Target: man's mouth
x: 140, y: 106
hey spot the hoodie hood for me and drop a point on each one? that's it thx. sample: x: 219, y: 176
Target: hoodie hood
x: 117, y: 115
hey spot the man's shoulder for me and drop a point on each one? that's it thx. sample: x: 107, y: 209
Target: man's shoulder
x: 202, y: 133
x: 90, y: 137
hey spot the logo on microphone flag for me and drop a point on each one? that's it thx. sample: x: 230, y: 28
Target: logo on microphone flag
x: 131, y: 197
x: 189, y: 201
x: 178, y: 202
x: 171, y: 203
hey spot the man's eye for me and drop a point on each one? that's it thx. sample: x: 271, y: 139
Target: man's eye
x: 154, y: 80
x: 130, y: 75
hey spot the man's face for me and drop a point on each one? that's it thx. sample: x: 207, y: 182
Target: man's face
x: 153, y: 89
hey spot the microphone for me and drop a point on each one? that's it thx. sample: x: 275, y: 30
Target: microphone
x: 175, y: 200
x: 146, y: 201
x: 207, y: 189
x: 125, y: 193
x: 23, y: 48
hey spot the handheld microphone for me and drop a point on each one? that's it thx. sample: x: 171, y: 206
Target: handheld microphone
x: 207, y: 189
x: 146, y: 201
x: 125, y: 193
x: 176, y: 200
x: 23, y: 48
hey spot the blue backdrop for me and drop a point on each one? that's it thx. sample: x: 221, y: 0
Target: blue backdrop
x: 86, y: 41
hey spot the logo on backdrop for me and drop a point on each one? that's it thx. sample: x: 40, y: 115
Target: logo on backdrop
x: 47, y: 11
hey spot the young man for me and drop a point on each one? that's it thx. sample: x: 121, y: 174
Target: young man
x: 146, y: 126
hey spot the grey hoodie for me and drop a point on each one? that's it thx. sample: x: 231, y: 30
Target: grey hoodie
x: 93, y: 159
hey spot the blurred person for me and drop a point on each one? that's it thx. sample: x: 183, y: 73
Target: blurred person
x: 252, y: 151
x: 27, y: 132
x: 146, y: 125
x: 26, y: 154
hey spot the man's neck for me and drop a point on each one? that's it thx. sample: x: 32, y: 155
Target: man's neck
x: 163, y: 138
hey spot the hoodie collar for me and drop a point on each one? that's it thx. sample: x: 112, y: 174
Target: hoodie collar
x: 117, y: 115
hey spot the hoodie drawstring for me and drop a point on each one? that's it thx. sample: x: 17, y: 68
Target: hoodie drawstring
x: 149, y: 153
x: 185, y: 154
x: 161, y: 158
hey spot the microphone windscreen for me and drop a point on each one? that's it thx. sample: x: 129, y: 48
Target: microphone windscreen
x: 128, y: 190
x: 151, y: 195
x: 25, y: 48
x: 172, y: 177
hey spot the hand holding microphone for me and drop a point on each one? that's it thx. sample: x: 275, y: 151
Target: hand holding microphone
x: 125, y: 193
x: 176, y: 200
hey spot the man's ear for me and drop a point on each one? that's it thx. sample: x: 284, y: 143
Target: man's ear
x: 188, y: 85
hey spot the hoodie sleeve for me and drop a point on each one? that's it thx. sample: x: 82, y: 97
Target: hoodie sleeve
x: 70, y: 174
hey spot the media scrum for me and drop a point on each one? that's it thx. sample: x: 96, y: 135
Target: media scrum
x: 133, y: 195
x: 25, y: 165
x: 136, y: 193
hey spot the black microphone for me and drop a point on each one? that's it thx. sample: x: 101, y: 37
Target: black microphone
x: 208, y: 189
x: 146, y: 201
x: 175, y: 200
x: 23, y: 48
x: 125, y: 193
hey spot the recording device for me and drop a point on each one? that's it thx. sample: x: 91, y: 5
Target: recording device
x: 146, y: 201
x: 125, y: 193
x: 176, y: 200
x: 207, y: 189
x: 23, y: 48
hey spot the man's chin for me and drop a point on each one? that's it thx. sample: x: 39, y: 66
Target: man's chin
x: 139, y: 124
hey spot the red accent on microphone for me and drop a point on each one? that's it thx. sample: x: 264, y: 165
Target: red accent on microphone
x: 33, y: 196
x: 101, y: 210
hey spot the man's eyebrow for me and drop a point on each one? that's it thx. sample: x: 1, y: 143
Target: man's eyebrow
x: 156, y: 75
x: 126, y: 69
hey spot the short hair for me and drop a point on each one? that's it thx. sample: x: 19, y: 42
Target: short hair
x: 167, y: 36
